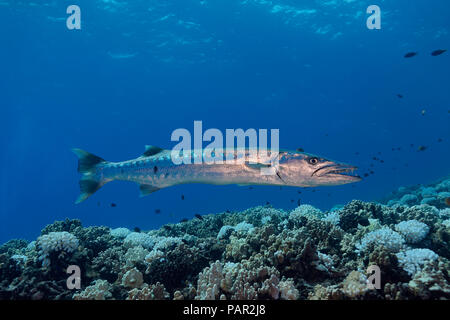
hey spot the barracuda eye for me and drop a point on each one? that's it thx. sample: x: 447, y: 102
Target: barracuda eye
x: 313, y: 161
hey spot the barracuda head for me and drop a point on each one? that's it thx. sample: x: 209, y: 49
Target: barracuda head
x: 307, y: 170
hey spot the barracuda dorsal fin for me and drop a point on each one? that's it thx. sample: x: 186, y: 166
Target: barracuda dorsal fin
x: 146, y: 189
x: 151, y: 151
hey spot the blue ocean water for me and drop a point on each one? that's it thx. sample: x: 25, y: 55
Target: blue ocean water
x: 137, y: 70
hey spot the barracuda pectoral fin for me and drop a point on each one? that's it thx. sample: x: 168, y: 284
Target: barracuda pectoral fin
x: 279, y: 176
x: 151, y: 151
x: 146, y: 189
x: 258, y: 166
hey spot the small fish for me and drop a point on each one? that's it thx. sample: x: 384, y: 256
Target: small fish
x: 137, y: 229
x: 167, y: 227
x: 421, y: 148
x: 447, y: 201
x: 382, y: 161
x: 113, y: 205
x: 399, y: 95
x: 366, y: 175
x: 292, y: 200
x: 184, y: 220
x: 198, y: 216
x: 298, y: 202
x: 423, y: 112
x: 157, y: 211
x: 438, y: 52
x: 439, y: 140
x: 182, y: 197
x: 410, y: 54
x: 300, y: 150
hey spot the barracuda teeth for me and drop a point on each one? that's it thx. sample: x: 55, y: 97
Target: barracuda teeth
x: 342, y: 171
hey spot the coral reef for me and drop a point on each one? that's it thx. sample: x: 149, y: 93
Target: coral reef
x: 433, y: 194
x: 412, y: 230
x: 153, y: 292
x: 243, y: 281
x: 56, y: 243
x: 413, y: 260
x: 98, y: 290
x: 259, y: 253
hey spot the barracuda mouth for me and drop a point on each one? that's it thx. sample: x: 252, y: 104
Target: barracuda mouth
x: 337, y: 170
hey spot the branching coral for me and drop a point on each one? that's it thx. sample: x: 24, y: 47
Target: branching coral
x: 60, y: 243
x: 132, y: 279
x: 243, y: 281
x: 149, y: 292
x: 413, y: 260
x: 412, y: 230
x: 385, y: 237
x: 98, y: 290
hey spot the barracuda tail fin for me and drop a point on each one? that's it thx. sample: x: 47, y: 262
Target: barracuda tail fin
x: 90, y: 181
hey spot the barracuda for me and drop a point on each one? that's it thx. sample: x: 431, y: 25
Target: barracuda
x: 155, y: 170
